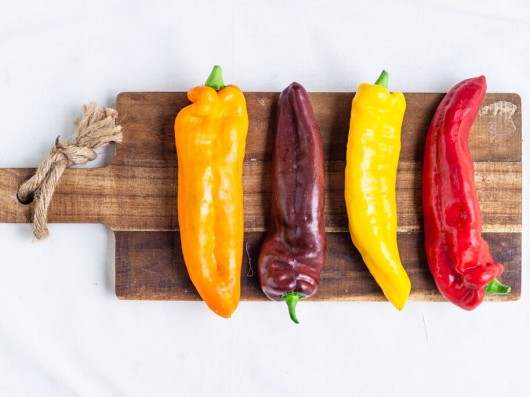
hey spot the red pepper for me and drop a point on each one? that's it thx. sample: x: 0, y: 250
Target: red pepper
x: 458, y: 256
x: 293, y: 254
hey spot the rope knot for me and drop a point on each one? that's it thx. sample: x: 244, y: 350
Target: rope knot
x: 72, y: 153
x: 96, y: 128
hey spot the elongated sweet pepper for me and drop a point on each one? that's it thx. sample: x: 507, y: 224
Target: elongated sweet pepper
x: 210, y: 136
x: 458, y: 256
x: 374, y: 144
x: 294, y: 251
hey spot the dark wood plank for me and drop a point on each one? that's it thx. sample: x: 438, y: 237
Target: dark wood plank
x: 149, y: 140
x: 149, y: 265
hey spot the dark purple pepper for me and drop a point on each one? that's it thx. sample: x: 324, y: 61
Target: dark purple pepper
x: 294, y: 250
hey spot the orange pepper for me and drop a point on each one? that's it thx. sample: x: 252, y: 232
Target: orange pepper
x: 210, y: 136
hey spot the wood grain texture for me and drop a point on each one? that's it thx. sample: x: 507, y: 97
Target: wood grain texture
x: 151, y: 267
x: 136, y: 194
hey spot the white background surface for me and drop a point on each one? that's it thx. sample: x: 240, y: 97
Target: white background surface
x: 62, y: 330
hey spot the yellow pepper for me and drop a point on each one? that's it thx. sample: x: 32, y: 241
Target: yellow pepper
x: 372, y: 155
x: 210, y: 136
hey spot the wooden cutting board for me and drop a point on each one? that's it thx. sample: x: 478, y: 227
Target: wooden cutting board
x: 136, y: 195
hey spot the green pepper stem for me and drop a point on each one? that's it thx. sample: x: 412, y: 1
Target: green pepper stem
x: 291, y: 298
x: 383, y: 79
x: 497, y: 288
x: 215, y: 80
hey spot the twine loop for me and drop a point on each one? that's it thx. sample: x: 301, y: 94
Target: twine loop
x: 96, y: 128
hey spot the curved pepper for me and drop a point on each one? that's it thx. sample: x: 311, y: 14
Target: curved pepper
x: 293, y: 254
x: 372, y: 155
x: 458, y: 257
x: 210, y: 137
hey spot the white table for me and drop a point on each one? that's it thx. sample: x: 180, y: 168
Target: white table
x: 62, y: 330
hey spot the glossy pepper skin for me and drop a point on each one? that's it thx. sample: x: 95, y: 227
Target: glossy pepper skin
x: 294, y: 251
x: 210, y: 137
x: 458, y: 257
x: 374, y: 144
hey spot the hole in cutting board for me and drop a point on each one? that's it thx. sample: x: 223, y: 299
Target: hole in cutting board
x: 26, y: 200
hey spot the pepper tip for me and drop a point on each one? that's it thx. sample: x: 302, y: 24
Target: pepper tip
x: 215, y: 79
x: 382, y: 80
x: 495, y: 287
x: 292, y: 298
